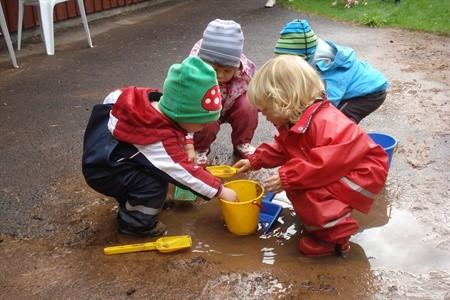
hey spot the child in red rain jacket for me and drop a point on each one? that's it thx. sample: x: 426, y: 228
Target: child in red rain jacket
x: 328, y: 165
x: 134, y: 145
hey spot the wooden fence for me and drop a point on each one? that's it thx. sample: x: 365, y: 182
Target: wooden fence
x: 63, y: 11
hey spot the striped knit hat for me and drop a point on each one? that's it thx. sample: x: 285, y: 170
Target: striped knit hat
x: 222, y: 43
x: 297, y: 38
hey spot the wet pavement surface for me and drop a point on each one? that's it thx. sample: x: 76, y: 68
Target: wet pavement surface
x: 53, y: 227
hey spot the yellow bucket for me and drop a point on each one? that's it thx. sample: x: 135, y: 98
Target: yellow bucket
x: 242, y: 217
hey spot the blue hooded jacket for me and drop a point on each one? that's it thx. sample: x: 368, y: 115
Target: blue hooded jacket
x: 345, y: 76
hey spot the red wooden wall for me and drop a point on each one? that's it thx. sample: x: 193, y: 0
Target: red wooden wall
x: 63, y: 11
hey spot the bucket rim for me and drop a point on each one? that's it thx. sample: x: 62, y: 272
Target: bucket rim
x: 383, y: 134
x: 246, y: 202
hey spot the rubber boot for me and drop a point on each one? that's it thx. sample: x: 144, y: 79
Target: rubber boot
x: 313, y: 247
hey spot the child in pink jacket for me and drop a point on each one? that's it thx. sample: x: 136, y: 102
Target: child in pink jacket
x: 222, y: 47
x: 328, y: 166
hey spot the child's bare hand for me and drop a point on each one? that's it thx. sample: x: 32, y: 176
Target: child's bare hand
x: 228, y: 195
x: 189, y: 148
x: 191, y: 155
x: 273, y: 184
x: 242, y: 165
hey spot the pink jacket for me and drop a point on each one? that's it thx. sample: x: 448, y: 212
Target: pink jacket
x: 237, y: 86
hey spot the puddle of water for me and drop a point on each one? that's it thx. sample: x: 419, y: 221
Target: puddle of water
x: 204, y: 222
x: 399, y: 245
x: 268, y: 256
x: 390, y: 238
x: 251, y: 285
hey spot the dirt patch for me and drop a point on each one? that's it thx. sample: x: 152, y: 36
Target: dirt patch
x: 54, y: 227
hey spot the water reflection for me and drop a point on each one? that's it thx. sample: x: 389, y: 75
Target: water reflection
x: 390, y: 246
x: 389, y: 238
x: 399, y: 245
x: 268, y: 255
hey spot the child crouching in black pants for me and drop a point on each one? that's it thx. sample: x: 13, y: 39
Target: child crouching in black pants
x: 134, y: 145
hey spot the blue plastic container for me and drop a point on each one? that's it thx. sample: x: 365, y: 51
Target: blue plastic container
x: 386, y: 141
x: 269, y: 212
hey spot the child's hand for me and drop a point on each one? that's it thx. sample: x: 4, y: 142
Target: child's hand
x: 242, y: 165
x: 273, y: 184
x: 189, y: 148
x: 228, y: 195
x: 168, y: 202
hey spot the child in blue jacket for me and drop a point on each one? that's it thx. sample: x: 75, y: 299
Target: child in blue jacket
x: 352, y: 85
x: 134, y: 145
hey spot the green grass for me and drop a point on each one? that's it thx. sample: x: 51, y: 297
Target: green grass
x: 424, y: 15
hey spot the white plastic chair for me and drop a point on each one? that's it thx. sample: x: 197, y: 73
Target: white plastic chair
x: 7, y: 37
x: 46, y: 19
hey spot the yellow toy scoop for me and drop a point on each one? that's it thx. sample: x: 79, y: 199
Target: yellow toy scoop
x: 164, y: 244
x: 222, y: 171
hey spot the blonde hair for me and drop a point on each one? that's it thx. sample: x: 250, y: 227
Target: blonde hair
x: 287, y: 84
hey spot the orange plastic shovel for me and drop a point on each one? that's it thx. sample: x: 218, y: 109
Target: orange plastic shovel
x: 164, y: 244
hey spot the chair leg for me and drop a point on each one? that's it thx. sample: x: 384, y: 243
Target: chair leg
x: 84, y: 20
x: 7, y: 37
x: 46, y: 11
x: 41, y: 29
x: 19, y: 25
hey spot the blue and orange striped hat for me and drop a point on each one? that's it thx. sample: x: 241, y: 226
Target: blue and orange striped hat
x: 297, y: 38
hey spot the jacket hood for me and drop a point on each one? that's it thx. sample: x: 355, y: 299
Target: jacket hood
x: 344, y: 57
x: 134, y: 120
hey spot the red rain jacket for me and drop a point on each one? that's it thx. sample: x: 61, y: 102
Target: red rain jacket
x: 325, y: 149
x: 149, y: 139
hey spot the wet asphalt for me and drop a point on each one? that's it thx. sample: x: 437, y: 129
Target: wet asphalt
x: 46, y: 103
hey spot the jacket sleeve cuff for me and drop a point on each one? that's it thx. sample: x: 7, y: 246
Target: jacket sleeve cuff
x: 189, y: 138
x: 219, y: 191
x: 255, y: 162
x: 284, y: 179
